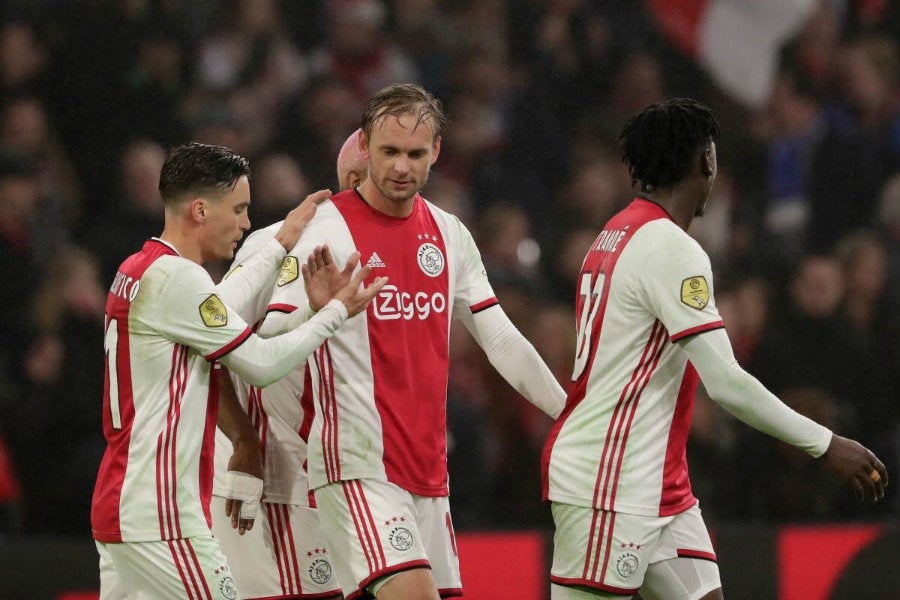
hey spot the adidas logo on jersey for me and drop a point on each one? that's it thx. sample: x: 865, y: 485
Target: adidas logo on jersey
x: 375, y: 261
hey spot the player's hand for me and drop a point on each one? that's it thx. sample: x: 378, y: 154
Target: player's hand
x: 296, y: 220
x: 244, y: 471
x: 322, y: 277
x: 855, y: 464
x: 355, y: 297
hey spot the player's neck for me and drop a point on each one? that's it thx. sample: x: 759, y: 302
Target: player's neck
x: 183, y: 243
x: 679, y: 207
x: 392, y: 208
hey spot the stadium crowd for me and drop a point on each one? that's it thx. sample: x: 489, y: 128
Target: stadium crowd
x: 803, y: 228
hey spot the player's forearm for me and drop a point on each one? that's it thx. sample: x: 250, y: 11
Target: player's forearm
x: 261, y: 362
x: 231, y: 417
x: 517, y: 361
x: 745, y: 397
x: 243, y: 284
x: 278, y: 323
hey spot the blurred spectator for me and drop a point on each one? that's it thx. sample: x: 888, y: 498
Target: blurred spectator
x: 136, y: 214
x: 419, y: 32
x: 19, y: 269
x: 791, y: 486
x: 250, y: 65
x: 862, y: 146
x: 809, y: 344
x: 23, y: 59
x: 25, y: 128
x: 358, y: 50
x: 870, y: 310
x: 278, y: 185
x: 315, y: 124
x: 58, y: 443
x: 506, y: 243
x: 746, y: 309
x: 155, y: 85
x: 798, y: 125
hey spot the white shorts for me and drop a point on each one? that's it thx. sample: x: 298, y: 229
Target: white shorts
x: 376, y: 529
x: 193, y: 568
x: 611, y: 551
x: 283, y: 556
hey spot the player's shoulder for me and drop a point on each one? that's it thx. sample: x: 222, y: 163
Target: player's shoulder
x: 327, y: 213
x: 169, y: 268
x: 447, y: 219
x: 256, y: 241
x: 663, y: 235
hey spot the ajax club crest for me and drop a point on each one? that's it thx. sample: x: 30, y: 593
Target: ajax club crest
x: 431, y: 260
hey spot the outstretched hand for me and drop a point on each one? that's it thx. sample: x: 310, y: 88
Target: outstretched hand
x: 355, y: 297
x: 322, y: 277
x: 858, y: 466
x: 297, y: 220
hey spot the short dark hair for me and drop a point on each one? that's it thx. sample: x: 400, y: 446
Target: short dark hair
x: 403, y: 99
x: 196, y: 169
x: 659, y: 143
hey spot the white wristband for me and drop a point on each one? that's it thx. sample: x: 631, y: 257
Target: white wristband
x: 246, y: 488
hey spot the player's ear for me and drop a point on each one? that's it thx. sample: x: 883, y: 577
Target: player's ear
x: 708, y: 161
x: 435, y: 149
x: 198, y: 209
x: 363, y: 145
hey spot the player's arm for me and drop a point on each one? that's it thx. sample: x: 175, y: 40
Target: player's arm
x: 507, y: 349
x: 515, y: 358
x: 245, y: 469
x: 322, y: 280
x: 745, y: 397
x: 261, y: 362
x: 241, y: 287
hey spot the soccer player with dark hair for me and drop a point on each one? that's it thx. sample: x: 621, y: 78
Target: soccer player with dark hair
x: 167, y: 328
x: 615, y: 466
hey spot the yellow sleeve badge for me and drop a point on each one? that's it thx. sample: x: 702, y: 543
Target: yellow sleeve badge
x: 290, y: 270
x: 213, y: 312
x: 695, y: 292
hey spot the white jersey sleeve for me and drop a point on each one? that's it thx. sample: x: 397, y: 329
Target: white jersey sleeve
x: 248, y: 284
x: 676, y: 284
x: 515, y: 359
x: 472, y: 290
x: 745, y: 397
x: 191, y: 312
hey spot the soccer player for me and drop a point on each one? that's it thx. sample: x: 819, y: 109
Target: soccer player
x: 285, y: 556
x: 351, y: 164
x: 614, y: 464
x: 377, y: 447
x: 167, y: 327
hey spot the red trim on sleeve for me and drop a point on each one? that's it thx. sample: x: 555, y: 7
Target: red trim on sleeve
x: 450, y: 592
x: 483, y: 305
x: 230, y: 346
x: 695, y: 330
x: 282, y: 308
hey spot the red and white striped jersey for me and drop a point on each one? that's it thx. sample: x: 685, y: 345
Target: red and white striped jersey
x: 165, y: 328
x: 277, y: 413
x: 380, y: 384
x: 619, y: 444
